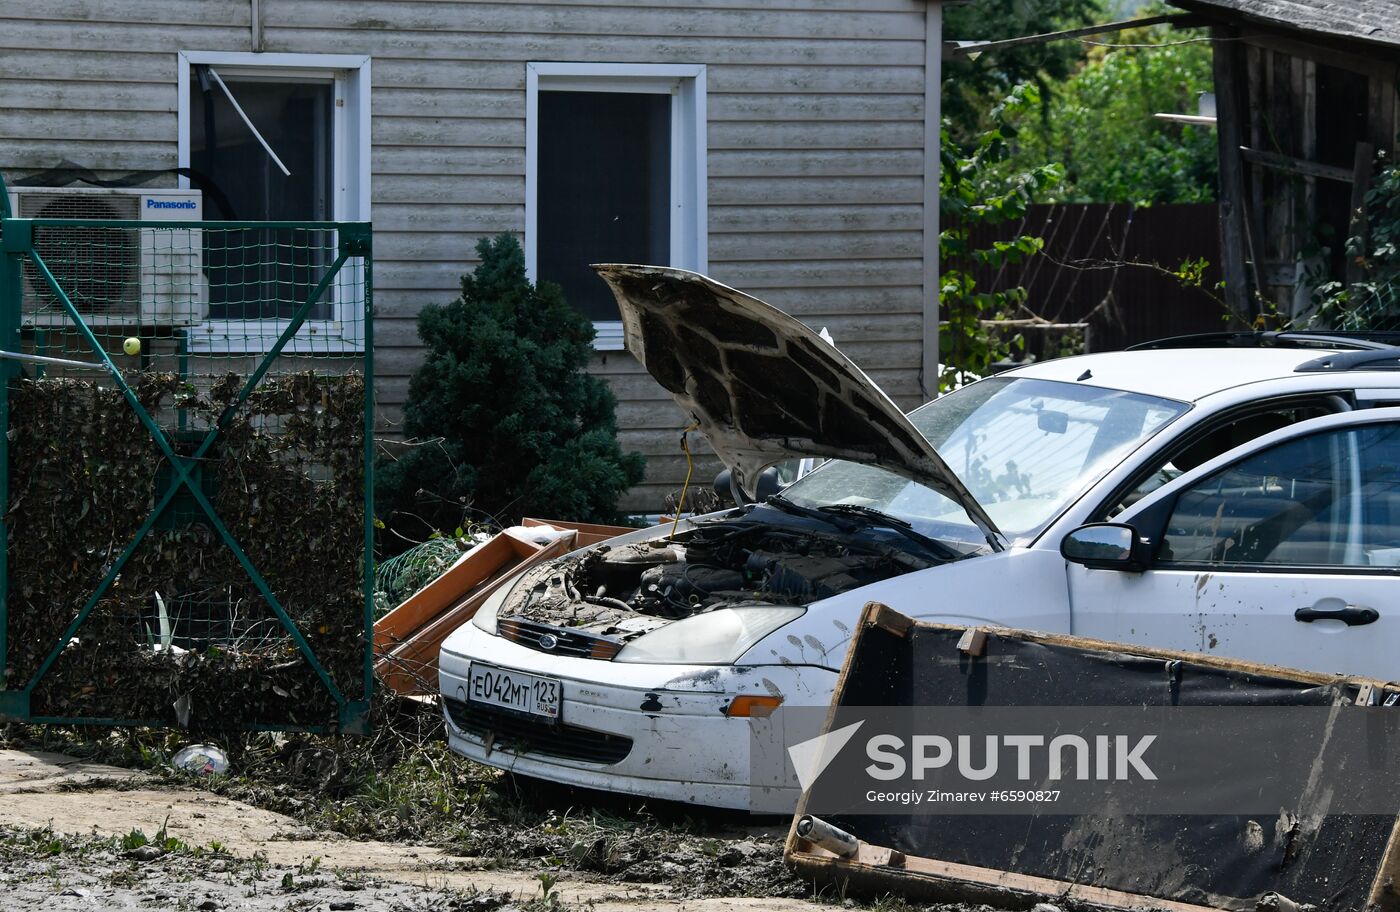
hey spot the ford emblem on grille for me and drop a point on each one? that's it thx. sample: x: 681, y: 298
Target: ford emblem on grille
x: 549, y: 641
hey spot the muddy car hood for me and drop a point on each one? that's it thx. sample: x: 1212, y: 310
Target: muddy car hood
x: 763, y: 387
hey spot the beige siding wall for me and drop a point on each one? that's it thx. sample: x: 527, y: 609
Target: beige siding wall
x: 816, y: 136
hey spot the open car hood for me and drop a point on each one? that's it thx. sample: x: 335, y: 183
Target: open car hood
x: 763, y: 387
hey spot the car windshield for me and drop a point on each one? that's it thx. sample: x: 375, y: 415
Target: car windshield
x: 1024, y: 448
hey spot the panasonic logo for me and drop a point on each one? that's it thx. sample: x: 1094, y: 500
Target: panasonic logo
x: 169, y: 204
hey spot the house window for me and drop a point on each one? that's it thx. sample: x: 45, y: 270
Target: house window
x: 283, y: 137
x: 615, y: 172
x: 249, y: 279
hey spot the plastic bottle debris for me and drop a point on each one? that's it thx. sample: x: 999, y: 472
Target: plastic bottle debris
x: 205, y: 759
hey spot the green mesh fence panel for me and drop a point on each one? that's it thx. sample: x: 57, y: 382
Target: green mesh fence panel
x: 188, y: 413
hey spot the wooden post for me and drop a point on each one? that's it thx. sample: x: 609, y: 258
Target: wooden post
x: 1230, y: 112
x: 1360, y: 186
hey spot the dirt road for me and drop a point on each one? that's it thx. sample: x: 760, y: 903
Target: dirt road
x: 61, y: 820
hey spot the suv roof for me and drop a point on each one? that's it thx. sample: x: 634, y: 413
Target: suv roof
x: 1184, y: 374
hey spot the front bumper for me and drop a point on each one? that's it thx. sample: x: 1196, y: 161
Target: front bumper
x: 651, y: 730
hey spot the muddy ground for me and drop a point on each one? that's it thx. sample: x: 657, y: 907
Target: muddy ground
x: 93, y: 819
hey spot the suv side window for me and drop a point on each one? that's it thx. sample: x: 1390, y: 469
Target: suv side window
x: 1330, y: 499
x: 1235, y: 430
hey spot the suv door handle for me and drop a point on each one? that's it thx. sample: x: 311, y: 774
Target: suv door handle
x: 1351, y: 615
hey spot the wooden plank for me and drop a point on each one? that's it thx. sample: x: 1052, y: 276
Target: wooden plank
x: 111, y: 37
x: 410, y: 188
x: 114, y: 156
x: 586, y: 534
x: 1340, y: 53
x: 751, y: 218
x: 693, y: 19
x: 945, y: 879
x: 819, y: 135
x: 59, y: 64
x: 439, y: 132
x: 853, y: 274
x: 442, y: 101
x: 878, y: 869
x: 857, y: 6
x: 1363, y: 167
x: 804, y: 76
x: 814, y: 245
x: 411, y: 667
x: 428, y: 247
x: 471, y: 570
x: 426, y: 215
x: 393, y: 70
x: 1291, y: 165
x: 802, y: 162
x: 1229, y: 94
x: 618, y: 48
x: 42, y: 95
x: 62, y: 124
x: 932, y: 178
x: 893, y: 299
x: 810, y: 106
x: 815, y: 191
x: 174, y: 12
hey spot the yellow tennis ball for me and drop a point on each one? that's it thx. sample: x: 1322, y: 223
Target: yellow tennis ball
x: 132, y: 346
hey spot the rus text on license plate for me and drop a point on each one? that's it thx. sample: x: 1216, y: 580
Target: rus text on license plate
x: 514, y: 690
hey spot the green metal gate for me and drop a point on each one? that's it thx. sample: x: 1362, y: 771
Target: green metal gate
x: 186, y: 484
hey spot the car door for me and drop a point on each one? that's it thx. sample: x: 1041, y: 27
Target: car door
x: 1285, y: 551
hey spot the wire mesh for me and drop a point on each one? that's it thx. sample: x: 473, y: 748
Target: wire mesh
x: 221, y: 293
x: 188, y: 488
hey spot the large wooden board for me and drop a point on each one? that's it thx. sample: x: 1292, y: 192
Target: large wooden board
x: 1175, y: 862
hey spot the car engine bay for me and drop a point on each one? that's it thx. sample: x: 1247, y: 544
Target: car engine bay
x: 623, y: 591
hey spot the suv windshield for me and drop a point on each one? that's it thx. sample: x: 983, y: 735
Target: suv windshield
x: 1024, y: 448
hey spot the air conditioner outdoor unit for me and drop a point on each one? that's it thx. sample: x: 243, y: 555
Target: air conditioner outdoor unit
x: 136, y: 277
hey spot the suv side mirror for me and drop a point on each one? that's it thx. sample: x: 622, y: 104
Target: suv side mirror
x: 1106, y: 546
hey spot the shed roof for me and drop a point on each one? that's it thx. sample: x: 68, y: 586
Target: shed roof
x: 1376, y: 21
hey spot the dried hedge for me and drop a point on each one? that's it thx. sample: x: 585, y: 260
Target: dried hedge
x: 287, y: 479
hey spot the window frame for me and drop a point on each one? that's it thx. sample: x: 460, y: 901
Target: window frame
x: 1153, y: 519
x: 1168, y: 448
x: 685, y: 83
x: 350, y: 201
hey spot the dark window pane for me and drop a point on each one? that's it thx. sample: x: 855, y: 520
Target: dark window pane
x: 265, y: 273
x: 604, y: 189
x: 1287, y: 505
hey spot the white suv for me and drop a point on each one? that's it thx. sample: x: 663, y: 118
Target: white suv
x: 1236, y: 494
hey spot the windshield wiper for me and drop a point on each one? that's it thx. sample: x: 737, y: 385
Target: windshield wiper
x: 787, y: 506
x: 874, y: 517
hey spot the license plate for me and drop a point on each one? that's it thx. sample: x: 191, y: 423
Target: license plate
x: 513, y: 690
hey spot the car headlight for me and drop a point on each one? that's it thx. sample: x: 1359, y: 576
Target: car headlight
x: 714, y: 638
x: 485, y: 617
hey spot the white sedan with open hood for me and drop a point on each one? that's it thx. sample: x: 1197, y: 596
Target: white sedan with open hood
x: 635, y: 665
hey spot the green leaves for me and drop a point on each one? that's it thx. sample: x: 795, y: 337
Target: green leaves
x: 1098, y: 123
x: 1372, y: 302
x: 976, y: 190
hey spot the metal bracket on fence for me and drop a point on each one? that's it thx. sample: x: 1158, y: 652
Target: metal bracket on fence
x: 45, y: 359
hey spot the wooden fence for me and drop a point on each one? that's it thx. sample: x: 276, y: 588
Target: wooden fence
x: 1106, y: 264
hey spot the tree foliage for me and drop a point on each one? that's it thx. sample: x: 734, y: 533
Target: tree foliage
x: 1100, y: 125
x: 508, y: 421
x: 978, y: 188
x: 1373, y: 302
x: 973, y: 88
